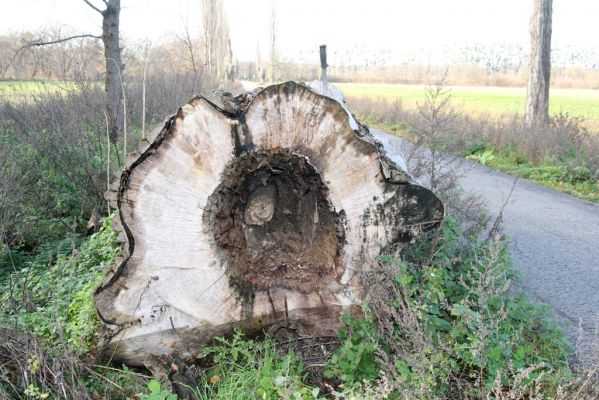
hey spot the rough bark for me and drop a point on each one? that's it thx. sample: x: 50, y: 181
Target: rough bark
x: 264, y: 211
x: 113, y: 63
x: 114, y: 68
x: 539, y: 66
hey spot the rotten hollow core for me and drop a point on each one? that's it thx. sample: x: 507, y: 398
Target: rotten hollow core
x: 274, y: 224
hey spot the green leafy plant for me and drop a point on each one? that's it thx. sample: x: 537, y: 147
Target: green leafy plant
x: 452, y: 330
x: 246, y: 369
x: 52, y: 296
x: 354, y: 361
x: 483, y: 157
x: 35, y: 392
x: 487, y: 332
x: 156, y: 392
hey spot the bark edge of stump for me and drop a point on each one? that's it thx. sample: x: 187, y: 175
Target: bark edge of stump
x: 260, y: 211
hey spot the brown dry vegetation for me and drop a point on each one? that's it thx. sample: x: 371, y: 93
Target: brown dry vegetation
x: 462, y: 75
x: 564, y: 155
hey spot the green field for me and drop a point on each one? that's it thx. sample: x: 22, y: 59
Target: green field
x: 492, y: 100
x: 12, y: 89
x: 22, y: 85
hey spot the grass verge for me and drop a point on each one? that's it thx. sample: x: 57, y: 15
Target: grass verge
x: 563, y: 156
x: 578, y: 182
x: 554, y: 176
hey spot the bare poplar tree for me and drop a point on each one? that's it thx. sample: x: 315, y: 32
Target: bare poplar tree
x: 209, y: 21
x: 217, y: 44
x: 539, y: 66
x: 273, y: 41
x: 258, y: 62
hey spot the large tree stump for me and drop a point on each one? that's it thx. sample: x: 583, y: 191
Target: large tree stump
x: 263, y: 212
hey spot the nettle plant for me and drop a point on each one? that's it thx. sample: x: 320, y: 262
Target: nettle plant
x: 451, y: 328
x: 242, y: 368
x: 156, y: 392
x: 52, y: 295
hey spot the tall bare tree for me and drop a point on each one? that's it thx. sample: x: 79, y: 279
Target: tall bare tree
x: 217, y: 44
x: 259, y: 69
x: 539, y: 65
x: 113, y: 64
x: 272, y: 24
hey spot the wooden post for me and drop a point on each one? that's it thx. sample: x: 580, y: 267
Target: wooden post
x: 323, y: 68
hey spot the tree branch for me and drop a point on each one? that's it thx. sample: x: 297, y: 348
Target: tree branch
x: 94, y: 7
x: 39, y: 43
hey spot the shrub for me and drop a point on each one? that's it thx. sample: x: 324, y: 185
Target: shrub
x: 54, y: 151
x: 51, y: 296
x: 441, y: 324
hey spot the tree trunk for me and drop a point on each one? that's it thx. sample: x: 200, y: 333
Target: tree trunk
x: 114, y: 68
x: 217, y: 42
x: 539, y: 66
x: 266, y: 211
x: 273, y: 42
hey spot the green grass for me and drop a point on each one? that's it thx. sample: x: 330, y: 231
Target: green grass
x: 485, y: 100
x: 550, y: 175
x: 569, y: 176
x: 17, y: 89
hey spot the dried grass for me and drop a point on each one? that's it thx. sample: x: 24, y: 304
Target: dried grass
x: 565, y: 141
x: 25, y: 364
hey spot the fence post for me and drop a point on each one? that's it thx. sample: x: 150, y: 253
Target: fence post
x: 323, y: 69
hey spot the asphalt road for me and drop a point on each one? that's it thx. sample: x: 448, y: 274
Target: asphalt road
x: 554, y: 241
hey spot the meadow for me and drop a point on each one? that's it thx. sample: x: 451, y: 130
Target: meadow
x: 27, y: 86
x: 494, y: 101
x: 478, y: 100
x: 18, y: 90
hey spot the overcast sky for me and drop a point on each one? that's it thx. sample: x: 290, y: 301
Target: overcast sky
x: 351, y: 28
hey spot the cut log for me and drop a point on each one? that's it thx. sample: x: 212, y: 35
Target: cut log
x: 263, y: 214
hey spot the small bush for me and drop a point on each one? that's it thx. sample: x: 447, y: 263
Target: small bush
x: 52, y: 295
x: 441, y: 324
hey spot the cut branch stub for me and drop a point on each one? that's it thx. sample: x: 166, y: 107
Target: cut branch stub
x: 263, y: 214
